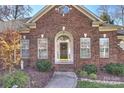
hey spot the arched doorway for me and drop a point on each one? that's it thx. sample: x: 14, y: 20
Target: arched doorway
x: 63, y: 48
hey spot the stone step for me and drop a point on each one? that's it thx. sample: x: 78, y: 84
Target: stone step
x: 64, y: 67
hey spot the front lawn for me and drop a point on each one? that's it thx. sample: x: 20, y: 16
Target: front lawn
x: 87, y: 84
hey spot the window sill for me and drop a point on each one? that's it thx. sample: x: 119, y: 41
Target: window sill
x: 104, y: 58
x: 42, y: 58
x: 64, y: 62
x: 85, y: 58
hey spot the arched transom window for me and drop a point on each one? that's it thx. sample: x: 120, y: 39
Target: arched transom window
x: 63, y: 38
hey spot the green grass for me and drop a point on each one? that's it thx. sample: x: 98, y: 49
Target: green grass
x: 86, y: 84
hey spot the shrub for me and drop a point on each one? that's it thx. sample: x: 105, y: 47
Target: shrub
x: 18, y: 78
x: 83, y: 74
x: 78, y: 71
x: 1, y: 80
x: 93, y: 76
x: 115, y: 69
x: 44, y: 65
x: 90, y: 68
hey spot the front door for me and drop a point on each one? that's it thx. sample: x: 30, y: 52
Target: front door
x: 64, y: 51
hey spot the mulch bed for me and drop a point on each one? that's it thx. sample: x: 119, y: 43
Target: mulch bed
x: 108, y: 77
x: 101, y: 75
x: 38, y: 79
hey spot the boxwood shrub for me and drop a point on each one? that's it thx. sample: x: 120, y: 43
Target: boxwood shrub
x: 90, y: 68
x: 93, y: 76
x: 115, y: 69
x: 19, y: 78
x: 44, y: 65
x: 81, y: 73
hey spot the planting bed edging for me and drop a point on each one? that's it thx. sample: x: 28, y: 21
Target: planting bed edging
x: 100, y: 81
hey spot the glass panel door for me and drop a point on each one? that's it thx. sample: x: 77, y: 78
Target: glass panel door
x: 63, y: 50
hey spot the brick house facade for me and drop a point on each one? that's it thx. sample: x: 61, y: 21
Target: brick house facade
x: 79, y: 21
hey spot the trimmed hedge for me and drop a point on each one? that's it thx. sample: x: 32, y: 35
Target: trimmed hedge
x: 93, y: 76
x: 44, y: 65
x: 18, y: 78
x: 90, y: 68
x: 1, y: 79
x: 83, y: 73
x: 115, y: 69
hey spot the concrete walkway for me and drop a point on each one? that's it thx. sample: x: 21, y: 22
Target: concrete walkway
x: 63, y: 80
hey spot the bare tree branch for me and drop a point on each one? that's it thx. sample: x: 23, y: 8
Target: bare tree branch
x: 10, y: 12
x: 116, y: 12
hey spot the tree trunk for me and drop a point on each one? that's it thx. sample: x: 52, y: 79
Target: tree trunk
x: 123, y: 16
x: 16, y: 12
x: 14, y: 52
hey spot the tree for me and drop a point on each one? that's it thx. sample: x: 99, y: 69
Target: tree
x: 103, y: 8
x: 116, y: 12
x: 10, y: 49
x: 105, y: 17
x: 119, y: 14
x: 10, y: 12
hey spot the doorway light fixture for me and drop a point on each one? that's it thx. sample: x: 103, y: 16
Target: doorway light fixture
x: 24, y: 37
x: 104, y: 35
x: 42, y: 35
x: 63, y: 28
x: 85, y: 35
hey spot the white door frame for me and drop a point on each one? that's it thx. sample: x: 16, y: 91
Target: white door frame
x: 70, y: 48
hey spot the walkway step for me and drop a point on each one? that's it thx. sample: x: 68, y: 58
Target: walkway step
x: 63, y: 80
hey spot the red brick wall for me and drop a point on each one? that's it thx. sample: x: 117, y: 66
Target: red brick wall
x: 113, y: 50
x: 77, y: 24
x: 120, y: 54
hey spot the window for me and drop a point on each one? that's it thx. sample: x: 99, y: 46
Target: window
x: 42, y: 48
x: 64, y: 9
x: 104, y: 47
x: 85, y: 48
x: 121, y: 45
x: 24, y: 48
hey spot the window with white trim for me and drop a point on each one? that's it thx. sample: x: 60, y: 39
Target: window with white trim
x: 24, y: 48
x: 85, y: 48
x: 42, y: 48
x: 104, y: 47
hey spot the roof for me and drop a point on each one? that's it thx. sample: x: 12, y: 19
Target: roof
x: 47, y: 8
x: 27, y: 23
x: 109, y: 27
x: 120, y: 32
x: 13, y: 24
x: 23, y: 24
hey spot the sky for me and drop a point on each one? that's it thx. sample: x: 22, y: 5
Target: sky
x: 36, y: 8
